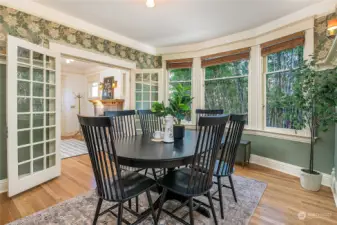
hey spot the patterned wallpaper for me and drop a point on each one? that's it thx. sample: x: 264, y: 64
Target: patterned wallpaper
x: 322, y: 42
x: 40, y: 31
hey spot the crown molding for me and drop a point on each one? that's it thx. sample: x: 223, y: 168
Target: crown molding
x: 34, y: 8
x: 39, y: 10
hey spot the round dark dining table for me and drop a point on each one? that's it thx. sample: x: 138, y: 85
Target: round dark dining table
x: 142, y: 152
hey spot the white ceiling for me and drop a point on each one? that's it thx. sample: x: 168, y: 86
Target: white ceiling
x: 177, y: 22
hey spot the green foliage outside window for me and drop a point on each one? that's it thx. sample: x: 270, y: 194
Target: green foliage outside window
x: 181, y: 77
x: 279, y: 84
x: 226, y: 87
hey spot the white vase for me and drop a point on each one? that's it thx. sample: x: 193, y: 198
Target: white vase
x: 168, y: 135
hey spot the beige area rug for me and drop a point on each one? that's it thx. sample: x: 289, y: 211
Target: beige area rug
x: 81, y: 209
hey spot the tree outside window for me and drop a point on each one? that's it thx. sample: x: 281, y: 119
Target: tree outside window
x: 279, y: 84
x: 181, y: 76
x: 226, y: 87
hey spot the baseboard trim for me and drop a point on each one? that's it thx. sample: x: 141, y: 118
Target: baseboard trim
x: 334, y: 185
x: 3, y: 186
x: 285, y: 167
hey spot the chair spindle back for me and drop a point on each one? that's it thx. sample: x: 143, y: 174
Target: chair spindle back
x: 210, y: 134
x: 98, y: 135
x: 124, y: 123
x: 232, y: 142
x: 206, y: 112
x: 150, y: 122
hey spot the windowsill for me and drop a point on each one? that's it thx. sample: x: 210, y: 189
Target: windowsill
x: 264, y: 133
x: 283, y: 136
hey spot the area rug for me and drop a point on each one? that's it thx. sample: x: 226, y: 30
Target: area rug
x: 72, y: 147
x: 81, y: 209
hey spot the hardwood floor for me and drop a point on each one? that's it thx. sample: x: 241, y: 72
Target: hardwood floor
x: 280, y: 204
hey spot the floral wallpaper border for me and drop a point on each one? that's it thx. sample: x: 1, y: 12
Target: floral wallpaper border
x: 40, y: 31
x: 322, y: 42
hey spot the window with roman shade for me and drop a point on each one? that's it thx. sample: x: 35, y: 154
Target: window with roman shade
x: 180, y: 72
x: 282, y: 56
x: 226, y: 81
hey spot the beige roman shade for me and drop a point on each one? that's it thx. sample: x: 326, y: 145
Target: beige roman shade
x: 225, y: 57
x: 283, y: 43
x: 179, y: 63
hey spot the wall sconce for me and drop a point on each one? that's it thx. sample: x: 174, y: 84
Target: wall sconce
x: 101, y: 85
x: 332, y: 28
x: 114, y: 84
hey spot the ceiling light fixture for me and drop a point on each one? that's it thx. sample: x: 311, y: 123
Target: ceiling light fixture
x: 150, y: 3
x: 69, y: 61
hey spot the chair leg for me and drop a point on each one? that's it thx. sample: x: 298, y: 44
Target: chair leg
x: 98, y: 208
x: 162, y: 200
x: 212, y: 207
x: 145, y: 172
x: 129, y: 202
x: 154, y: 174
x: 137, y: 204
x: 149, y: 199
x: 120, y: 214
x: 190, y: 204
x: 244, y: 157
x: 232, y: 185
x: 220, y: 197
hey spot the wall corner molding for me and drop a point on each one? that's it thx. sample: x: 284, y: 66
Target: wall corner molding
x: 285, y: 168
x: 3, y: 186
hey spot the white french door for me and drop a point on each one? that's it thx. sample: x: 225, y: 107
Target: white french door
x: 33, y: 115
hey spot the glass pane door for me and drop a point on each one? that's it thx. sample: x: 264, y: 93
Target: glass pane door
x: 33, y: 155
x: 146, y: 89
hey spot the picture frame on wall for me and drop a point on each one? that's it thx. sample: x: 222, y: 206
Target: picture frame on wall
x: 108, y: 92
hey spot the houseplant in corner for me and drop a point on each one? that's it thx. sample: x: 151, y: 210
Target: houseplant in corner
x: 179, y: 107
x: 312, y: 105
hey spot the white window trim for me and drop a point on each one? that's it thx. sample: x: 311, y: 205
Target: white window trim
x: 275, y: 130
x: 167, y: 94
x: 255, y: 83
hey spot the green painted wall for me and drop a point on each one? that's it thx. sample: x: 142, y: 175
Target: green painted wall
x: 3, y: 139
x: 297, y: 153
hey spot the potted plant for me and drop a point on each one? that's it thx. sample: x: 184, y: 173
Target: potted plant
x: 312, y: 105
x: 179, y: 107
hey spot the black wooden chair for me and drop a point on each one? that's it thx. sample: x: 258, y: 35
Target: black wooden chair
x: 150, y: 123
x: 196, y: 180
x: 224, y: 165
x: 206, y: 112
x: 113, y: 185
x: 124, y: 125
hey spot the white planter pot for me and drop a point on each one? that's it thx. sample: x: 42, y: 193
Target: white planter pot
x: 311, y: 182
